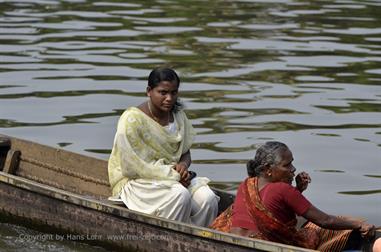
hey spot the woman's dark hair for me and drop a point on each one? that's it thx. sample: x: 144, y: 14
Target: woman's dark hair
x: 268, y: 154
x: 160, y: 74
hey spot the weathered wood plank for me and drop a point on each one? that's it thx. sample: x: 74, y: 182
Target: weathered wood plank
x: 12, y: 161
x: 66, y: 170
x: 5, y: 145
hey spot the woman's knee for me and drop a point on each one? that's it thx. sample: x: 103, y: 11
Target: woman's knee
x: 182, y: 195
x: 205, y: 196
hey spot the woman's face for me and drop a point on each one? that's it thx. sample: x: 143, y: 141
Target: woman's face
x: 284, y: 171
x: 164, y: 95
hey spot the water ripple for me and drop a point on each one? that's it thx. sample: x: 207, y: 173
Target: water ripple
x: 303, y: 72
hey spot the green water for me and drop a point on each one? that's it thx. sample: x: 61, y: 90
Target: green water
x: 307, y: 73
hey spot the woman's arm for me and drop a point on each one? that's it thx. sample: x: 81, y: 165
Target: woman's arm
x: 324, y: 220
x: 185, y: 159
x: 182, y: 168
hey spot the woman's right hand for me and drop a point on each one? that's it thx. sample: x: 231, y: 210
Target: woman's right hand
x: 302, y: 180
x: 185, y: 182
x: 182, y: 169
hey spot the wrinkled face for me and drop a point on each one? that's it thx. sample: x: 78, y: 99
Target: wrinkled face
x: 284, y: 171
x: 164, y: 95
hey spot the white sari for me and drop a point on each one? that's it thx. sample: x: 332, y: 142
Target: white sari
x: 141, y: 165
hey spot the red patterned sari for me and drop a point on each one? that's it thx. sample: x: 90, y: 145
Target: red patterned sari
x: 310, y: 236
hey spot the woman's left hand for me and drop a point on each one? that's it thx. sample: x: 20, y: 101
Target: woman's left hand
x: 367, y: 230
x: 302, y: 181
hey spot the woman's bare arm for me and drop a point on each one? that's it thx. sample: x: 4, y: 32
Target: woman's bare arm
x: 324, y: 220
x: 182, y: 168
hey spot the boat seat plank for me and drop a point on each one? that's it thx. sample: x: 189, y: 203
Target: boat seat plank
x: 12, y: 161
x: 5, y: 145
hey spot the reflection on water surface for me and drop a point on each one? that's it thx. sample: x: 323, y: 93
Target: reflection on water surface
x: 304, y: 72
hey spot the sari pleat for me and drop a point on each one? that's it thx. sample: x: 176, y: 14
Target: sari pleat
x: 330, y: 240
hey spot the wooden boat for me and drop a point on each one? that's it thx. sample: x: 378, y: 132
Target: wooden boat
x: 68, y: 193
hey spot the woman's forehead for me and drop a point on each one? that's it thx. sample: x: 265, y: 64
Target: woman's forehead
x: 167, y: 85
x: 287, y: 155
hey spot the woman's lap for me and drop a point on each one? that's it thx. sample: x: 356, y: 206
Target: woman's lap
x: 173, y: 202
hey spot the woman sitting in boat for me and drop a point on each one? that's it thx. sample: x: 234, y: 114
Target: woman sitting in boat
x: 148, y: 166
x: 266, y: 206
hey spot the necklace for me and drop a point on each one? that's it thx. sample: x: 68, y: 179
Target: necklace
x: 153, y: 116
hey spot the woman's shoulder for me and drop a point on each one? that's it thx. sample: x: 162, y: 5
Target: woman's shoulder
x: 242, y: 185
x: 281, y: 190
x: 132, y: 114
x: 132, y: 111
x: 282, y: 187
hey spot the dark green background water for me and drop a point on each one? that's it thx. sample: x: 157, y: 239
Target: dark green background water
x: 307, y: 73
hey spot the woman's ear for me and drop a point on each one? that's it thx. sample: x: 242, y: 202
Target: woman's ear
x: 268, y: 170
x: 148, y: 91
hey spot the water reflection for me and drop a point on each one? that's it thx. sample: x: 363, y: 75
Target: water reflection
x: 18, y: 238
x: 303, y: 72
x: 330, y: 171
x: 361, y: 192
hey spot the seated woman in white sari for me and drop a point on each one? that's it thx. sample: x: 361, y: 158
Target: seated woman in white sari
x: 148, y: 166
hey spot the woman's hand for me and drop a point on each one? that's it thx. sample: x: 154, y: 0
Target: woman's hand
x: 182, y: 169
x: 302, y: 181
x: 367, y: 230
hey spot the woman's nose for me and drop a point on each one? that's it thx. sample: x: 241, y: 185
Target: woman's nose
x: 169, y: 97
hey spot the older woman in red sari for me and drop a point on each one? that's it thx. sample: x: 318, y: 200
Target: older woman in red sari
x: 267, y: 204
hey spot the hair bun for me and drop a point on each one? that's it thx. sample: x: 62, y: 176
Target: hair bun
x: 250, y: 166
